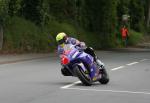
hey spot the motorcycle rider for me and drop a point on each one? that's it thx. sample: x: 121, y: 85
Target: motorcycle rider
x: 63, y: 39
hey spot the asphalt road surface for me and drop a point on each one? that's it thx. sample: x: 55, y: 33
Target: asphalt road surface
x: 40, y: 81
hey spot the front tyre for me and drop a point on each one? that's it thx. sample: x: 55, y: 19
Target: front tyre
x: 105, y: 78
x: 84, y: 78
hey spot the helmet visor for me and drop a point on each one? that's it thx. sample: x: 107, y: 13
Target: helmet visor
x: 61, y: 41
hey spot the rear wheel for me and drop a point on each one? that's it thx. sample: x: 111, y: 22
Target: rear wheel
x: 84, y: 77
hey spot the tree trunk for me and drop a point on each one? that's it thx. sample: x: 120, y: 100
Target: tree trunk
x: 148, y: 17
x: 1, y: 37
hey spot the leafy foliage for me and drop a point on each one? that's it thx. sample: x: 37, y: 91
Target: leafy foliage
x: 137, y: 15
x: 3, y: 11
x: 94, y: 21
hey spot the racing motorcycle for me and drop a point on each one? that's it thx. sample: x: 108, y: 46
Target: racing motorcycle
x: 78, y: 63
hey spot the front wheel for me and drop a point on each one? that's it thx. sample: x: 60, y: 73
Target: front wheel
x: 105, y: 78
x: 85, y: 78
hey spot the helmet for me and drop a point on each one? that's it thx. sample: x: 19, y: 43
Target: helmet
x: 61, y: 38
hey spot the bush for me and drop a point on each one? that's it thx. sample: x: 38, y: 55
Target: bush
x: 134, y: 37
x: 21, y: 35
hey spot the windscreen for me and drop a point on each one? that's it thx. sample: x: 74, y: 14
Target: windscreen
x: 68, y: 47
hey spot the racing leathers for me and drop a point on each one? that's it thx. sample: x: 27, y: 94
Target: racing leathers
x: 69, y: 40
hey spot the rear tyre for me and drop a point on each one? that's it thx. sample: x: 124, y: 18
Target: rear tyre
x: 105, y: 78
x: 84, y: 78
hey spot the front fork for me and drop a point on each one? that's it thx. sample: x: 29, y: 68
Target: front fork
x: 96, y: 70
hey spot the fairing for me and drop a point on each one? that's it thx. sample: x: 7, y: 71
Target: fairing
x: 79, y: 58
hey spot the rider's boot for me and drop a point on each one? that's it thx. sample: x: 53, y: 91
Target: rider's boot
x: 90, y: 51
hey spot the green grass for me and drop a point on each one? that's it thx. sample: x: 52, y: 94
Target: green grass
x: 21, y: 35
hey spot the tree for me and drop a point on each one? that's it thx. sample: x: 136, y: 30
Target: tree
x: 31, y: 10
x: 100, y: 17
x: 148, y: 14
x: 62, y: 9
x: 3, y: 17
x: 14, y: 7
x: 122, y: 9
x: 136, y: 11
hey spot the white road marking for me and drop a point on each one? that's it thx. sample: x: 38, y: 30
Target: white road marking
x: 113, y: 91
x: 67, y: 86
x: 117, y: 68
x: 143, y: 60
x: 132, y: 63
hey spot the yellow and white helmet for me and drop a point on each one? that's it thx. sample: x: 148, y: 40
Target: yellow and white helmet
x: 61, y: 37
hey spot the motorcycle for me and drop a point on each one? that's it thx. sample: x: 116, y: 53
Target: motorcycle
x: 79, y: 64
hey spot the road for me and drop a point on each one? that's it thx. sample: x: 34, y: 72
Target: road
x: 40, y: 81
